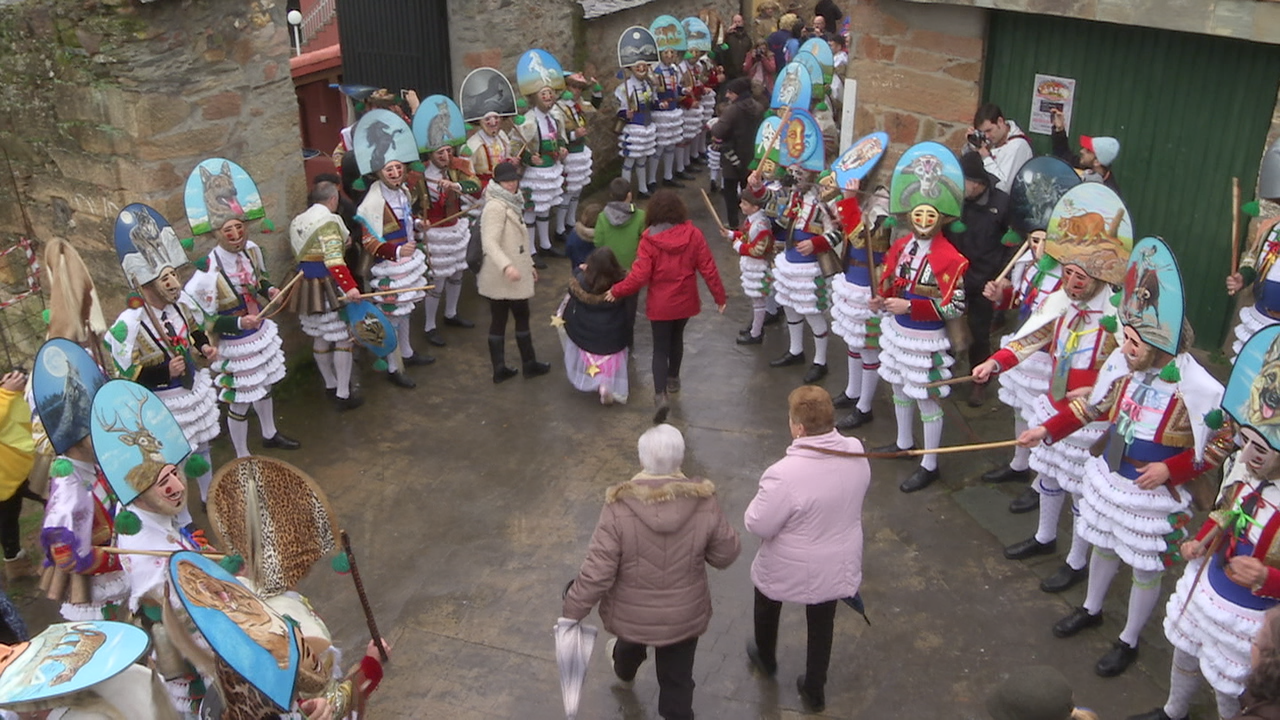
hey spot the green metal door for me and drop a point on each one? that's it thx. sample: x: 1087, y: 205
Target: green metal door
x: 1190, y: 112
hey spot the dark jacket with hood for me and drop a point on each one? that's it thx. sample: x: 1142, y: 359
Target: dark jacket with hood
x: 669, y: 261
x: 736, y: 129
x: 985, y: 219
x: 594, y: 324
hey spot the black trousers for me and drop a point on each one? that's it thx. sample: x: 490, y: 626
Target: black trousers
x: 498, y: 310
x: 10, y: 509
x: 668, y: 351
x: 821, y: 620
x: 730, y: 193
x: 674, y: 665
x: 979, y: 311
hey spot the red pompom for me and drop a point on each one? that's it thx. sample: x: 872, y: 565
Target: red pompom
x: 372, y: 671
x: 133, y: 302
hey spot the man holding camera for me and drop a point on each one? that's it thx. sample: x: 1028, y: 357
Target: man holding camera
x: 1001, y: 144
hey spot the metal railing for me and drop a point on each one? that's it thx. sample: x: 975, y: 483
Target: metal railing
x: 314, y: 21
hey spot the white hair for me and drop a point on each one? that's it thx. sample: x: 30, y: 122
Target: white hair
x: 661, y: 450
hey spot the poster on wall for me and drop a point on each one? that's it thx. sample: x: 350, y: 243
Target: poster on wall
x: 1051, y: 92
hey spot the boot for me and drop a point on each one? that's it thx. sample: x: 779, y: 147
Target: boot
x: 497, y: 355
x: 532, y: 368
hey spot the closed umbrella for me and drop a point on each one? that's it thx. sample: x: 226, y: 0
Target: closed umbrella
x: 574, y: 642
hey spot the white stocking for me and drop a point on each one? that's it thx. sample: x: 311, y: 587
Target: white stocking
x: 668, y: 162
x: 853, y: 386
x: 870, y: 378
x: 1228, y: 705
x: 265, y: 409
x: 795, y: 331
x: 1103, y: 567
x: 931, y: 417
x: 342, y: 368
x: 771, y: 304
x: 1078, y: 556
x: 1052, y: 498
x: 654, y: 165
x: 1021, y: 455
x: 205, y: 480
x: 1184, y: 681
x: 403, y: 346
x: 544, y: 232
x: 431, y: 308
x: 1142, y: 600
x: 642, y: 175
x: 818, y: 323
x: 571, y: 213
x: 757, y: 316
x: 322, y: 351
x: 452, y: 291
x: 238, y: 428
x: 904, y: 409
x: 559, y: 217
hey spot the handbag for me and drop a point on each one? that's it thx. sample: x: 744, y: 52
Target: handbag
x: 475, y: 250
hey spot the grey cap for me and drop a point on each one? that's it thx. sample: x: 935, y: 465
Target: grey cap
x: 1269, y: 174
x: 1035, y: 693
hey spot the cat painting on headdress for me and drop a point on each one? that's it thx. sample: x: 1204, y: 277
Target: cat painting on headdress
x: 438, y: 134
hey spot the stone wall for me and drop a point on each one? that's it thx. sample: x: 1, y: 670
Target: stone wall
x: 106, y: 102
x: 918, y: 70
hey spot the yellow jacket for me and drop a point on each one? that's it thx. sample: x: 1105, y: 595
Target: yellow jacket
x: 17, y: 448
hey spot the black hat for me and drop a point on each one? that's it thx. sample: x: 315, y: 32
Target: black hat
x: 1034, y: 693
x: 971, y: 165
x: 506, y: 172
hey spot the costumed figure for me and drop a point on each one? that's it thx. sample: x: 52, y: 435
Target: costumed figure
x: 156, y: 341
x: 1233, y: 563
x: 78, y: 517
x: 706, y: 80
x: 140, y: 448
x: 229, y: 290
x: 922, y: 288
x: 540, y: 79
x: 669, y: 92
x: 573, y: 112
x: 1258, y: 267
x: 486, y: 98
x: 1074, y: 328
x: 754, y: 244
x: 1037, y: 187
x: 83, y: 670
x: 637, y: 132
x: 693, y: 86
x: 362, y: 99
x: 384, y: 145
x: 1155, y: 398
x: 319, y: 240
x: 444, y: 191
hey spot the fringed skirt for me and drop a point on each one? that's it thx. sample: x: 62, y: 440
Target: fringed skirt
x: 315, y: 300
x: 638, y: 141
x: 1024, y: 383
x: 1064, y: 460
x: 1214, y: 629
x: 800, y: 286
x: 692, y: 123
x: 668, y: 128
x: 851, y: 318
x: 914, y: 358
x: 248, y: 366
x: 1143, y: 527
x: 546, y: 185
x: 756, y: 275
x: 1251, y: 321
x: 447, y: 250
x: 196, y: 410
x: 395, y: 274
x: 577, y: 172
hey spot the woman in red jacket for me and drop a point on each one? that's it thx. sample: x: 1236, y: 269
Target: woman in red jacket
x: 671, y: 255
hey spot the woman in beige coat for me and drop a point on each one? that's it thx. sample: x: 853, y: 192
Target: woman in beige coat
x: 507, y: 275
x: 647, y: 567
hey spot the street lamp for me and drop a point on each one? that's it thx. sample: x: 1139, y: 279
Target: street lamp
x: 295, y: 21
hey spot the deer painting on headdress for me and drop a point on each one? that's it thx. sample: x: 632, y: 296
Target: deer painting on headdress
x: 140, y: 437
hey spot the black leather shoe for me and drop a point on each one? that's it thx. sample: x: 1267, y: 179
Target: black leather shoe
x: 504, y: 374
x: 750, y: 339
x: 458, y: 322
x: 815, y: 374
x: 842, y: 401
x: 538, y: 264
x: 1006, y: 474
x: 757, y: 663
x: 1078, y: 620
x: 399, y: 379
x: 1117, y: 660
x: 1157, y: 714
x: 1064, y: 579
x: 433, y: 338
x: 552, y: 251
x: 1030, y: 547
x: 683, y: 175
x: 1026, y: 502
x: 533, y: 368
x: 919, y: 480
x: 892, y: 448
x: 643, y: 195
x: 281, y: 442
x: 348, y: 403
x: 811, y: 703
x: 773, y: 318
x: 855, y: 419
x: 417, y: 359
x: 787, y: 360
x: 672, y: 184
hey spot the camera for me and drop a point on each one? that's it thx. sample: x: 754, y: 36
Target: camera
x: 977, y: 138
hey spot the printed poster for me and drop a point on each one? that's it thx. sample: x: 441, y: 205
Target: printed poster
x: 1051, y: 92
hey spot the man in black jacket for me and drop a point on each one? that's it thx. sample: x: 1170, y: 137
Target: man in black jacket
x: 737, y: 43
x: 984, y: 218
x: 735, y: 132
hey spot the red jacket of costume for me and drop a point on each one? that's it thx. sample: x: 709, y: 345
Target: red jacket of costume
x: 947, y: 266
x: 669, y: 262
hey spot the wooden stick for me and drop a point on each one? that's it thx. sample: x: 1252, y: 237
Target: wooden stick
x: 155, y: 553
x: 396, y: 292
x: 364, y: 599
x: 280, y: 296
x: 1235, y: 225
x: 949, y: 381
x: 712, y: 209
x: 1215, y: 539
x: 1016, y: 256
x: 959, y: 448
x: 443, y: 220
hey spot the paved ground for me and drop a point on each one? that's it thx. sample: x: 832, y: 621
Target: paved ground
x: 470, y: 505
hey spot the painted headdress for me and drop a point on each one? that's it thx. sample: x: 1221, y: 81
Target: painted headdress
x: 819, y: 48
x: 1269, y: 174
x: 219, y: 190
x: 1153, y: 303
x: 1037, y: 187
x: 697, y: 34
x: 274, y: 516
x: 134, y: 438
x: 66, y: 659
x: 64, y: 381
x: 146, y: 243
x: 380, y: 137
x: 485, y: 91
x: 669, y: 34
x: 928, y: 173
x: 1252, y: 398
x: 859, y: 159
x: 537, y: 69
x: 801, y: 144
x: 637, y: 45
x: 1090, y: 227
x: 765, y: 135
x: 817, y: 80
x: 793, y: 88
x: 437, y: 123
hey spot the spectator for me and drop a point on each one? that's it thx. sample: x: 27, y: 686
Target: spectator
x: 737, y: 45
x: 596, y: 332
x: 840, y: 54
x: 17, y: 456
x: 581, y: 240
x: 831, y: 14
x: 1095, y: 157
x: 762, y: 68
x: 1000, y: 142
x: 646, y: 566
x: 807, y: 513
x: 1036, y: 693
x: 507, y: 276
x: 735, y: 132
x: 1261, y: 698
x: 671, y: 256
x: 817, y: 29
x: 984, y: 218
x: 619, y: 225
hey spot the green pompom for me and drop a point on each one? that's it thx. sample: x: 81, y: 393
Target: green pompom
x: 44, y: 316
x: 890, y: 221
x: 597, y: 88
x: 341, y: 563
x: 267, y: 225
x: 521, y: 103
x: 188, y: 243
x: 360, y: 184
x: 61, y: 467
x: 464, y: 151
x: 120, y: 331
x: 1170, y: 373
x: 229, y: 396
x: 1011, y: 239
x: 1251, y: 208
x: 1046, y: 263
x: 153, y: 612
x: 519, y: 119
x: 417, y: 166
x: 127, y: 523
x: 820, y: 106
x: 1213, y: 418
x: 1110, y: 323
x: 958, y: 227
x: 769, y: 113
x: 202, y: 264
x: 1116, y: 297
x: 196, y: 466
x: 566, y: 95
x: 380, y: 365
x: 231, y: 563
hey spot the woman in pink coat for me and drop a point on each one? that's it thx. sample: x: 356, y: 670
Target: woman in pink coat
x: 808, y: 516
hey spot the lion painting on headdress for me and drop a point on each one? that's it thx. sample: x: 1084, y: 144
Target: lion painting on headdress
x: 243, y: 607
x: 1264, y: 394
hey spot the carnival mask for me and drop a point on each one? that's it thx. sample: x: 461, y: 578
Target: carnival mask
x: 441, y: 157
x: 232, y: 235
x: 924, y: 221
x: 669, y: 57
x: 1078, y: 285
x: 166, y: 288
x: 392, y: 174
x: 168, y: 496
x: 546, y: 98
x: 1257, y: 455
x: 1036, y: 242
x: 491, y: 123
x: 1137, y: 353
